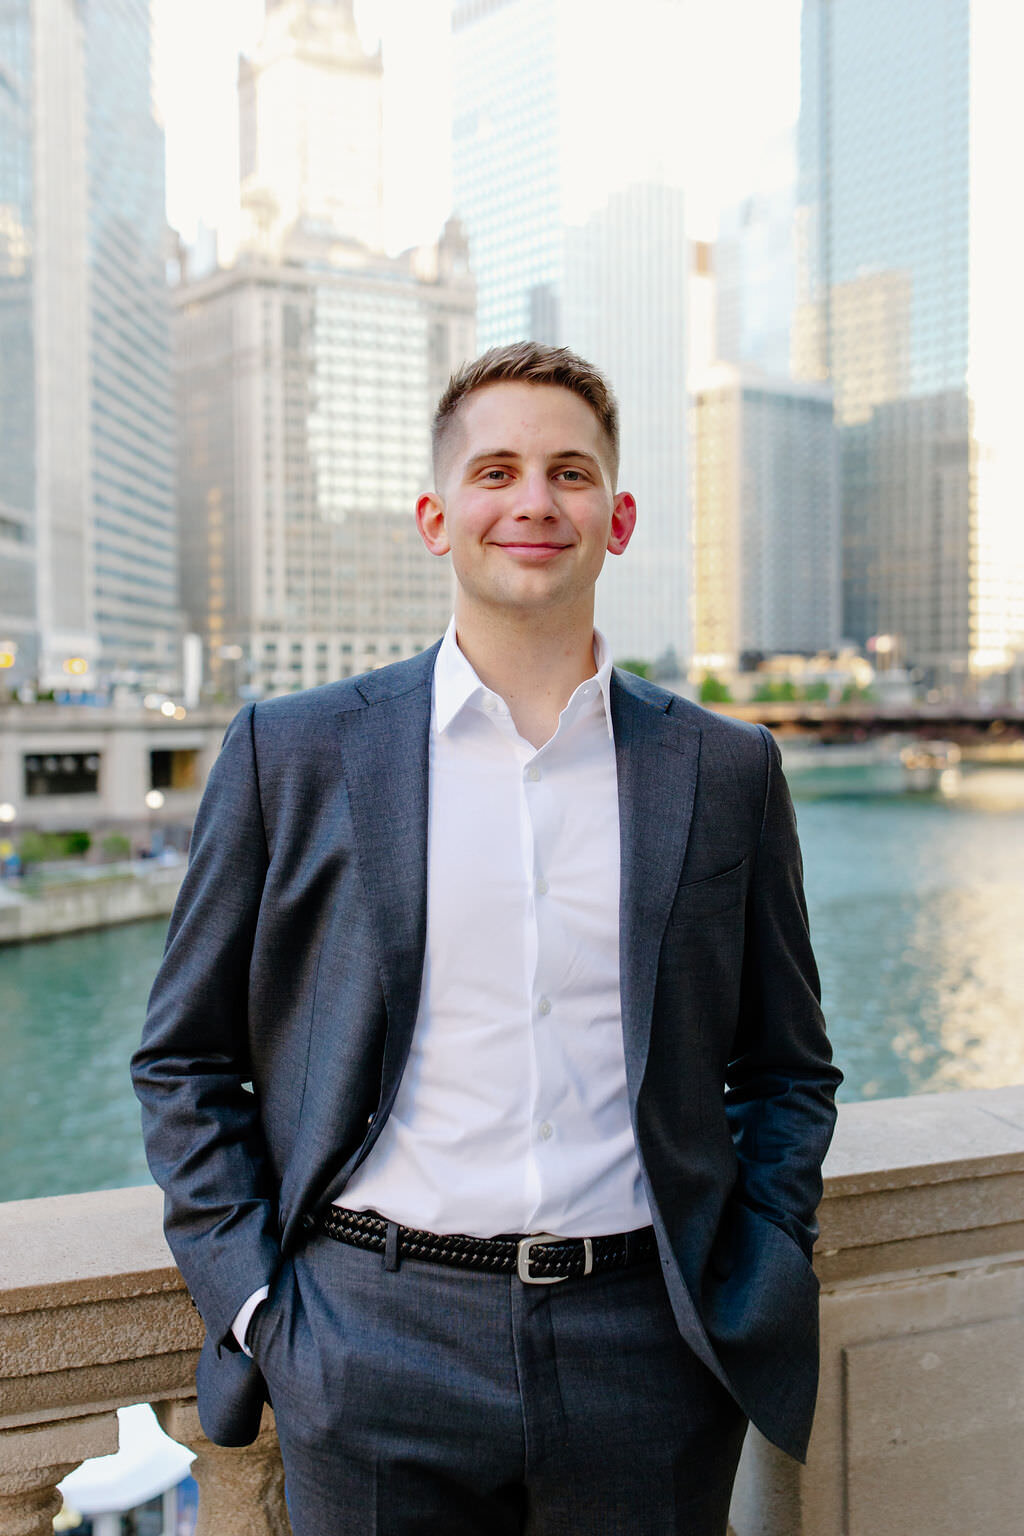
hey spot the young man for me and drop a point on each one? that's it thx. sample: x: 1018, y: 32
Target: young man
x: 515, y: 1225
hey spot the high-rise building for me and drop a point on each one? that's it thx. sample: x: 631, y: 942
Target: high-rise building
x: 909, y: 304
x: 567, y: 146
x: 305, y: 395
x: 755, y: 267
x: 87, y: 538
x: 307, y: 375
x: 310, y: 127
x: 765, y: 517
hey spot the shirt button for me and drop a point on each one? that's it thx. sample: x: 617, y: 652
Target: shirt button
x: 544, y: 1006
x: 541, y: 887
x: 490, y: 702
x: 547, y: 1130
x: 533, y: 773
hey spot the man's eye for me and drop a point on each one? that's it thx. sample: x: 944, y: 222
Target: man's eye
x: 496, y: 474
x: 571, y: 474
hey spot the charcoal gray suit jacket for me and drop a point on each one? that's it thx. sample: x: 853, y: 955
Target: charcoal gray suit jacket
x: 293, y: 965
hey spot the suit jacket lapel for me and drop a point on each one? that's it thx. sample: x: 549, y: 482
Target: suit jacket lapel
x: 385, y: 761
x: 656, y: 756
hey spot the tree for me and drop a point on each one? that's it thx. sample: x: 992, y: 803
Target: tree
x: 713, y: 690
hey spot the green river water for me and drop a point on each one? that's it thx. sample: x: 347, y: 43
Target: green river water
x: 917, y: 915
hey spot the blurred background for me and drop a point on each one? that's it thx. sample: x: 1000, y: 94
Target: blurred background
x: 242, y: 247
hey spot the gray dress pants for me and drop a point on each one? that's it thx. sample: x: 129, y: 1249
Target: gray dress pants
x: 425, y: 1399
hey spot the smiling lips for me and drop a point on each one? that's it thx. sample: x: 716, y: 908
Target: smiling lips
x: 534, y: 551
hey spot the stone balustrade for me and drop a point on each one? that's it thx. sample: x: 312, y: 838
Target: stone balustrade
x: 921, y: 1412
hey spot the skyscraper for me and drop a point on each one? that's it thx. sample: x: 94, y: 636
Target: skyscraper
x: 566, y: 173
x: 310, y: 126
x: 755, y: 267
x: 307, y: 373
x: 766, y: 517
x: 87, y: 536
x: 909, y: 303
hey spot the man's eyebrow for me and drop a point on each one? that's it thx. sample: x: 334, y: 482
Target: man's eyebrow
x: 510, y: 453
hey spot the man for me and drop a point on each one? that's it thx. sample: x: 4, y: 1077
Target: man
x: 485, y: 1071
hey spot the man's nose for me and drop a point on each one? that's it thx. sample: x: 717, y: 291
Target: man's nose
x: 536, y: 497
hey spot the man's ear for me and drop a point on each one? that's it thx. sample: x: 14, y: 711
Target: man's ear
x: 623, y: 522
x: 431, y: 524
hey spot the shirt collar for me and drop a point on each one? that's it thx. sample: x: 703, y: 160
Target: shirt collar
x: 456, y: 684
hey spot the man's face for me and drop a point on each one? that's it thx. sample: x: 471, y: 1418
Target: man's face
x: 525, y: 500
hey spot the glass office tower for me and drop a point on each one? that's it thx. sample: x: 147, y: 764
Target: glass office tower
x: 87, y: 540
x: 567, y: 147
x: 17, y: 361
x: 899, y: 212
x: 131, y: 424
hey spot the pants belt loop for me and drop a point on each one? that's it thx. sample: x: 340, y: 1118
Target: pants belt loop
x: 391, y: 1246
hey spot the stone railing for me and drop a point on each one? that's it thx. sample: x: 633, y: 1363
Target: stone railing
x: 921, y: 1413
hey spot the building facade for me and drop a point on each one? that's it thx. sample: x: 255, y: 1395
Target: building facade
x: 909, y: 305
x: 307, y: 374
x: 766, y: 518
x: 305, y: 395
x: 88, y: 582
x: 574, y: 216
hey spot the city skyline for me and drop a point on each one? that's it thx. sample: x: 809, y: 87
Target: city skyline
x: 900, y: 223
x: 745, y: 95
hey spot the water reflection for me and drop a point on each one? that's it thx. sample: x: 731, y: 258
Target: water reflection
x: 917, y: 911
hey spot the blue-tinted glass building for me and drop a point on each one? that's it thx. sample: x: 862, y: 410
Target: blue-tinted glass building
x: 904, y: 176
x: 87, y: 535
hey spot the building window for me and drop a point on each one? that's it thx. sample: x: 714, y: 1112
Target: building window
x: 174, y: 769
x: 69, y: 773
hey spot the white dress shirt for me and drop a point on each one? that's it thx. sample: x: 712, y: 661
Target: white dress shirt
x: 512, y: 1113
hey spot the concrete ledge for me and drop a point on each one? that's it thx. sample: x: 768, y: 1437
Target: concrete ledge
x: 921, y: 1259
x: 93, y: 904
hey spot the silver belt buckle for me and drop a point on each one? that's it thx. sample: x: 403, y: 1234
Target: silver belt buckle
x: 538, y: 1238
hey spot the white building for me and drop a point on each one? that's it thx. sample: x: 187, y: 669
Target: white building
x: 310, y: 127
x: 307, y: 374
x: 567, y: 146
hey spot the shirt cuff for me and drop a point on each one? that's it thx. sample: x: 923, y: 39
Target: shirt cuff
x: 240, y: 1326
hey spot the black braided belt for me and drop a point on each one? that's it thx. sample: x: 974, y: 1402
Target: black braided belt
x: 538, y: 1259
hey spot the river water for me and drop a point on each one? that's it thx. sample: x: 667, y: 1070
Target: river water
x: 917, y: 915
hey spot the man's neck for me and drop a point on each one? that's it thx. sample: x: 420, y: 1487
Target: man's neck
x: 533, y: 664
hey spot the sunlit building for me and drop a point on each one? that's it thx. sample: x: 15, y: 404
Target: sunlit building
x: 567, y: 148
x: 765, y: 518
x: 307, y: 374
x: 310, y: 127
x: 88, y: 581
x: 910, y: 303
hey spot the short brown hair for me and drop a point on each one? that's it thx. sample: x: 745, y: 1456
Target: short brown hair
x: 528, y: 362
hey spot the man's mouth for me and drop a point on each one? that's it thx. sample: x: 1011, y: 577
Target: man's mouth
x: 537, y: 550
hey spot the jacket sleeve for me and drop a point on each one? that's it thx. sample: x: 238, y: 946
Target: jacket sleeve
x: 201, y: 1127
x: 780, y: 1084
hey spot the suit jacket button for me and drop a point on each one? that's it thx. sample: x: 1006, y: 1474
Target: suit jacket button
x: 309, y: 1222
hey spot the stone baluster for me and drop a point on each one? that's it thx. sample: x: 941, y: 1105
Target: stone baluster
x: 241, y: 1491
x: 33, y: 1461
